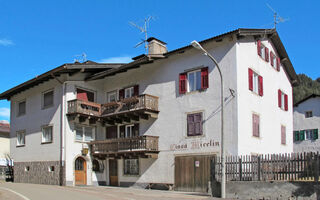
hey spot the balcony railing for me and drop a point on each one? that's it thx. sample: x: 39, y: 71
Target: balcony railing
x: 84, y: 107
x: 144, y: 144
x: 142, y: 102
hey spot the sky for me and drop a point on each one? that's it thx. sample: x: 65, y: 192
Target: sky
x: 36, y: 36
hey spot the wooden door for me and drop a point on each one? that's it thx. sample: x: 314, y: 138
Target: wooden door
x: 192, y: 173
x: 113, y: 172
x: 80, y: 171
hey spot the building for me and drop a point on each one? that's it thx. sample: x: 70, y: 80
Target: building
x: 150, y: 120
x: 306, y: 124
x: 4, y: 146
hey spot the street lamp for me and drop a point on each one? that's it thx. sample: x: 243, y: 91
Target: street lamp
x: 196, y: 45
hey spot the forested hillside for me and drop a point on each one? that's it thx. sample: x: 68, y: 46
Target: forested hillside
x: 306, y: 87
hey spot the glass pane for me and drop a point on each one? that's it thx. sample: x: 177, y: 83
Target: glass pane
x: 79, y: 164
x: 48, y: 99
x: 198, y: 80
x: 88, y: 133
x: 79, y: 133
x: 47, y: 134
x: 22, y: 108
x: 191, y: 81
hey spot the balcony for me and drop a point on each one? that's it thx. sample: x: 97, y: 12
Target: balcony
x: 143, y: 146
x: 84, y: 108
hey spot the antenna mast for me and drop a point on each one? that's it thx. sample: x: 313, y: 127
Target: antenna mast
x: 276, y: 18
x: 144, y: 30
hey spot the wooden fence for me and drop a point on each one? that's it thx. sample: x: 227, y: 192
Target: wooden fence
x: 274, y: 167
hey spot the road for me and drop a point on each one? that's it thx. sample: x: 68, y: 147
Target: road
x: 22, y: 191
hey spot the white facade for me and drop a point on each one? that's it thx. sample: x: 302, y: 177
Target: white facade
x: 306, y: 125
x: 161, y: 79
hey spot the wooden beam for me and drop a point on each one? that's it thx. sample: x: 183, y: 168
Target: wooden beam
x: 133, y: 117
x: 82, y: 119
x: 92, y: 121
x: 125, y: 119
x: 144, y: 116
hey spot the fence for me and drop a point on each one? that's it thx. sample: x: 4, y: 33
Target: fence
x: 274, y: 167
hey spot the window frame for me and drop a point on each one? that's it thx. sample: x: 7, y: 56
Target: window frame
x: 42, y: 99
x: 195, y: 80
x: 18, y: 144
x: 83, y: 140
x: 202, y: 126
x: 18, y: 107
x: 259, y: 125
x: 42, y: 134
x: 263, y: 51
x: 131, y: 174
x: 131, y: 89
x: 114, y: 92
x: 131, y: 131
x: 307, y: 114
x: 285, y: 135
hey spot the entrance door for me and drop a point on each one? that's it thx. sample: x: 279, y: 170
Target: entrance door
x: 113, y: 172
x: 192, y: 173
x: 80, y: 171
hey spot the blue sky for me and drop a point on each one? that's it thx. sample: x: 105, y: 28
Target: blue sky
x: 36, y: 36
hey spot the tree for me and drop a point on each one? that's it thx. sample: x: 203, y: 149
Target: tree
x: 306, y: 87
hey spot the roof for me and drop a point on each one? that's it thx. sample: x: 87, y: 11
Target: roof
x: 306, y: 98
x: 70, y: 68
x: 258, y: 33
x: 4, y: 127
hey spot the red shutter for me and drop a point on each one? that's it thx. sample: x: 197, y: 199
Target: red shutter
x: 271, y: 58
x: 279, y: 98
x: 259, y: 47
x: 250, y: 79
x: 136, y: 90
x: 182, y: 83
x: 286, y: 102
x: 278, y: 64
x: 121, y: 94
x: 267, y: 54
x: 190, y: 122
x: 204, y: 78
x: 260, y: 86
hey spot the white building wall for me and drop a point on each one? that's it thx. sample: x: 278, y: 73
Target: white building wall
x: 302, y: 123
x: 5, y: 145
x: 271, y: 116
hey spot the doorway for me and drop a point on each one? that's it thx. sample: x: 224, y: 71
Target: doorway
x: 113, y: 172
x: 80, y: 171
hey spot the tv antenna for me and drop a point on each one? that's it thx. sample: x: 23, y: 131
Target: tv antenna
x: 143, y: 29
x: 80, y: 58
x: 276, y: 17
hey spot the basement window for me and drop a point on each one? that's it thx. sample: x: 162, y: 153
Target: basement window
x: 51, y: 169
x: 27, y: 168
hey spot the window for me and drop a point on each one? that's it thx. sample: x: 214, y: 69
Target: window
x: 131, y: 166
x: 275, y: 61
x: 194, y: 124
x: 194, y: 80
x: 51, y: 169
x: 112, y: 96
x: 85, y: 95
x: 263, y: 51
x: 128, y: 131
x: 97, y: 166
x: 308, y: 114
x: 47, y: 99
x: 21, y: 108
x: 283, y: 134
x: 309, y: 134
x: 255, y: 82
x: 21, y: 138
x: 255, y: 125
x: 46, y: 134
x: 282, y: 100
x: 128, y: 92
x: 27, y: 168
x: 84, y: 133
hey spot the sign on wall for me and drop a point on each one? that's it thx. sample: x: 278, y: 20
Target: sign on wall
x: 194, y: 145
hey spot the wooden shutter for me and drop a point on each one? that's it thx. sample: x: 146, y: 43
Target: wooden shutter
x: 122, y: 131
x: 271, y: 59
x: 278, y: 64
x: 296, y: 135
x: 267, y: 54
x: 121, y: 94
x: 111, y: 132
x: 301, y: 135
x: 190, y: 125
x: 260, y: 86
x: 135, y: 130
x: 198, y: 123
x: 136, y: 90
x: 182, y: 83
x: 255, y: 125
x: 286, y: 102
x: 315, y: 134
x: 283, y: 135
x: 204, y: 78
x: 250, y: 79
x: 279, y: 98
x: 259, y: 47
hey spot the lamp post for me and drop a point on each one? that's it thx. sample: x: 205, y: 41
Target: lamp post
x: 196, y: 45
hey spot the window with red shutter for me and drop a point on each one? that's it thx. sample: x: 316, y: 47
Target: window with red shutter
x: 271, y: 58
x: 278, y: 64
x: 194, y: 124
x: 283, y: 134
x: 282, y: 100
x: 279, y: 98
x: 204, y: 78
x: 260, y: 86
x: 286, y: 102
x: 255, y: 125
x: 267, y: 54
x: 250, y: 79
x: 182, y: 83
x: 259, y: 47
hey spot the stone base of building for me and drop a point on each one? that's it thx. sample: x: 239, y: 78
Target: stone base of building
x: 39, y: 172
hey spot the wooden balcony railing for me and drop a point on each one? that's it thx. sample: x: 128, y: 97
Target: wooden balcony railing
x: 125, y: 145
x: 142, y: 102
x: 84, y: 107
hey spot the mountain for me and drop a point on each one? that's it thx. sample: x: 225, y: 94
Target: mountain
x: 306, y: 87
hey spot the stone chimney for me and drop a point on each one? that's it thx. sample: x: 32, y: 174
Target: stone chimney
x: 156, y: 46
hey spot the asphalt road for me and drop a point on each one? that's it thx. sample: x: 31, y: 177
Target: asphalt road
x: 21, y: 191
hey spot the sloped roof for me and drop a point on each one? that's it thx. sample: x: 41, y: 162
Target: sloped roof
x: 306, y: 98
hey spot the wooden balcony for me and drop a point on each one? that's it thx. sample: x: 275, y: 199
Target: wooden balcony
x: 86, y: 108
x: 143, y: 146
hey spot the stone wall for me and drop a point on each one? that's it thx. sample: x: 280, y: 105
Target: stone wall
x: 270, y: 190
x: 39, y: 172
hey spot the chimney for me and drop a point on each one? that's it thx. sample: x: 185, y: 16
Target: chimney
x: 156, y: 46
